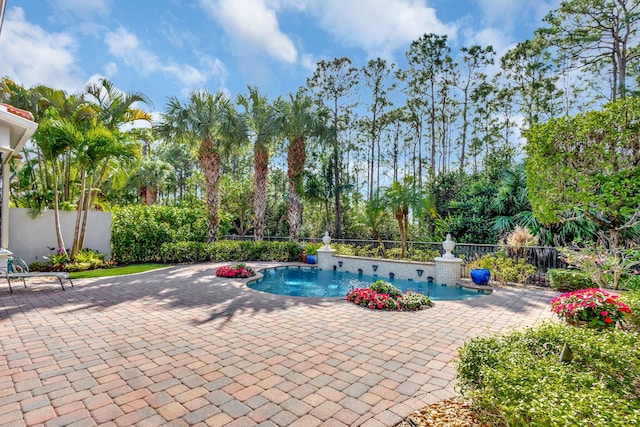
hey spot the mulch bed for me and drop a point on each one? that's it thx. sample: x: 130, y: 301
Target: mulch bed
x: 446, y: 413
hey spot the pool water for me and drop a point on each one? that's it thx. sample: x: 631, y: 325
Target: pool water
x: 312, y: 282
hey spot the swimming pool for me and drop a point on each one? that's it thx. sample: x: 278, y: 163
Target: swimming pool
x: 312, y: 282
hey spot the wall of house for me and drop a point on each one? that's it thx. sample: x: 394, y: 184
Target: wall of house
x: 30, y: 239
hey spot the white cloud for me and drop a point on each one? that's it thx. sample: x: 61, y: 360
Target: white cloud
x: 29, y: 55
x: 125, y: 46
x: 252, y: 26
x: 85, y: 9
x: 110, y: 69
x: 509, y: 14
x: 380, y: 27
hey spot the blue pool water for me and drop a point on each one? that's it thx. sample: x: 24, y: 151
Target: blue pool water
x: 311, y: 282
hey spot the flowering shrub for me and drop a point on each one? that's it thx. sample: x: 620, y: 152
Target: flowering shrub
x: 414, y: 301
x: 235, y: 271
x: 594, y: 306
x: 394, y: 300
x: 605, y: 266
x: 371, y: 299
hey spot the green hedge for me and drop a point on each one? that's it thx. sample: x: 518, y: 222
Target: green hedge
x: 138, y: 232
x: 229, y: 250
x: 569, y: 280
x: 518, y: 380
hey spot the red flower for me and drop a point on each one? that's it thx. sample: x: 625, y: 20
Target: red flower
x: 604, y: 313
x: 607, y: 320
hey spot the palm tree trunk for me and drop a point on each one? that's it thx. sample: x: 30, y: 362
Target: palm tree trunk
x: 56, y: 210
x: 79, y: 211
x: 296, y: 158
x: 261, y: 168
x: 210, y: 163
x: 85, y: 217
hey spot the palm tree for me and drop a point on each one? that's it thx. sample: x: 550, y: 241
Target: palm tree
x: 53, y: 142
x: 258, y: 119
x: 298, y: 119
x: 152, y: 175
x: 402, y: 198
x: 209, y: 120
x: 115, y: 108
x: 374, y: 213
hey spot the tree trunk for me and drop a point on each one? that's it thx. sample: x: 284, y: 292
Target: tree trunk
x: 85, y: 218
x: 399, y: 218
x: 261, y: 168
x: 56, y: 211
x: 296, y: 158
x: 79, y: 212
x: 210, y: 163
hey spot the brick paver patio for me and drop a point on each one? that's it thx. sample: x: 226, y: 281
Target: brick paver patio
x: 180, y: 346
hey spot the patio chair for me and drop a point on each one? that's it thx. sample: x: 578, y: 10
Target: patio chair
x: 18, y: 269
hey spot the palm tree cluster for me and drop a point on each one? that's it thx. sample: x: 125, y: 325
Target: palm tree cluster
x: 81, y: 142
x: 373, y: 149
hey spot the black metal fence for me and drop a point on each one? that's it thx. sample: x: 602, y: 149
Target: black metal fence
x: 543, y: 258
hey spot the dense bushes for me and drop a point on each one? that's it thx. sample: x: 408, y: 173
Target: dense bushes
x: 227, y: 250
x: 568, y: 280
x: 138, y: 232
x: 505, y: 269
x: 517, y: 379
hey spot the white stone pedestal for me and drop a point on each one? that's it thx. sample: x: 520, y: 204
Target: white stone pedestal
x: 325, y: 258
x: 448, y: 270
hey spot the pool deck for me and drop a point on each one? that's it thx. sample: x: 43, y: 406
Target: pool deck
x: 180, y: 347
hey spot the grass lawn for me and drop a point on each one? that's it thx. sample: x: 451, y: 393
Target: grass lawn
x: 115, y: 271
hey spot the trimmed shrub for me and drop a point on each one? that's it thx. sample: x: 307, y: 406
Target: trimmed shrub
x: 568, y: 280
x: 138, y: 232
x: 228, y: 250
x: 382, y: 287
x: 383, y: 295
x: 517, y: 379
x: 414, y: 301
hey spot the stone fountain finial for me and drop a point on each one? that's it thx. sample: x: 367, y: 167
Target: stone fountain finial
x: 326, y: 240
x: 448, y: 246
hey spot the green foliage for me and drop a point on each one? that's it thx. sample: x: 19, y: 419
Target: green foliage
x: 138, y: 232
x: 87, y: 259
x: 505, y: 269
x: 568, y: 280
x: 632, y: 299
x: 227, y: 250
x: 383, y: 287
x: 594, y: 157
x: 517, y: 379
x: 312, y: 248
x: 605, y: 265
x: 413, y: 254
x: 414, y: 301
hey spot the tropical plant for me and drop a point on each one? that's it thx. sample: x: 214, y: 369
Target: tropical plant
x: 404, y: 198
x: 298, y: 120
x: 258, y: 117
x: 594, y: 156
x: 151, y: 176
x: 209, y: 121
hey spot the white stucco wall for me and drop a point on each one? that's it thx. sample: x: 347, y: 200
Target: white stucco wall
x: 30, y: 239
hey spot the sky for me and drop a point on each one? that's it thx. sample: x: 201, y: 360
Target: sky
x: 168, y: 48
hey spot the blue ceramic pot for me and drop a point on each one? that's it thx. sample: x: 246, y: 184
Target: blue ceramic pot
x: 311, y: 259
x: 480, y: 276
